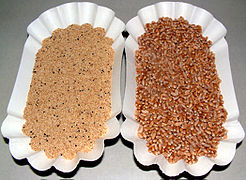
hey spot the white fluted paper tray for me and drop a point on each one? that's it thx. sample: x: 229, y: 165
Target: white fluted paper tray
x: 215, y: 31
x: 41, y: 28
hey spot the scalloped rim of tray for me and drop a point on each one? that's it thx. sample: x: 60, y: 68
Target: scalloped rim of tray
x: 215, y: 31
x: 42, y: 27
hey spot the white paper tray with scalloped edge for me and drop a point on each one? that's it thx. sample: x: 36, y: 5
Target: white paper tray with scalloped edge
x: 41, y: 28
x: 216, y: 32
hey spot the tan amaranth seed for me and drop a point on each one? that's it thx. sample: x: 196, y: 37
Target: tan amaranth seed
x: 69, y: 99
x: 178, y: 101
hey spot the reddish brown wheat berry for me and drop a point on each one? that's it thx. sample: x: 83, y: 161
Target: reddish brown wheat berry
x: 179, y: 105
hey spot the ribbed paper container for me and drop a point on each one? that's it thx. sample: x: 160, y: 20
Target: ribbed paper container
x: 215, y: 31
x: 41, y: 28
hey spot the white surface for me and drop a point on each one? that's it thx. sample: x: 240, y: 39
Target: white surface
x: 216, y: 32
x: 118, y: 161
x: 41, y: 28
